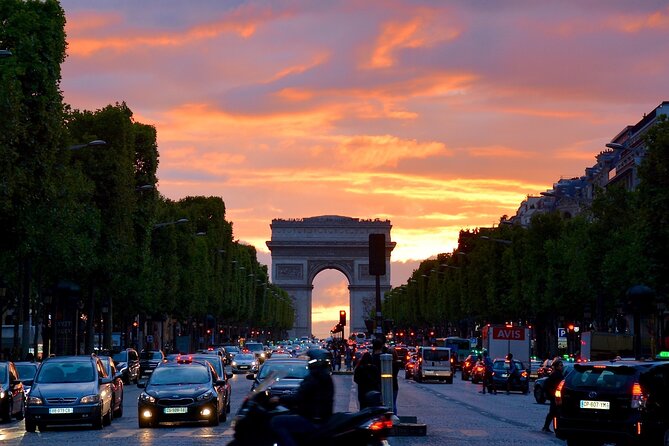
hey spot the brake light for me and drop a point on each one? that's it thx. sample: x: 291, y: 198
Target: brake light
x: 637, y: 396
x: 523, y: 374
x: 466, y: 363
x: 558, y: 393
x: 381, y: 423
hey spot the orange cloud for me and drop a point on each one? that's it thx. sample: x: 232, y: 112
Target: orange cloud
x: 498, y: 152
x: 385, y: 150
x: 635, y: 24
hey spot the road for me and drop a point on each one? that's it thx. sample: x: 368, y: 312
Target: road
x: 455, y: 414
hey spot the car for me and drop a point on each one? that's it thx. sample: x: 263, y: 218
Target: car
x: 181, y: 391
x: 500, y: 373
x: 257, y: 349
x: 148, y: 361
x: 539, y: 385
x: 655, y: 408
x: 116, y: 385
x: 217, y: 363
x: 127, y: 362
x: 545, y: 369
x: 27, y: 371
x: 435, y: 363
x: 535, y: 364
x: 12, y: 395
x: 410, y: 367
x: 280, y: 354
x: 244, y: 362
x: 230, y: 352
x: 478, y: 372
x: 602, y: 402
x: 467, y: 367
x: 70, y: 390
x: 401, y: 351
x: 292, y: 372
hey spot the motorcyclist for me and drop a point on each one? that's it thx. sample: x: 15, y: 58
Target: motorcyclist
x: 313, y: 401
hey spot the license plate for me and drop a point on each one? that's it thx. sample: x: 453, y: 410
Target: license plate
x: 604, y: 405
x: 175, y: 410
x: 505, y: 375
x: 61, y: 410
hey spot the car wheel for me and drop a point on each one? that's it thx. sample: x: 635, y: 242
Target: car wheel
x: 30, y: 426
x: 227, y: 407
x: 449, y: 380
x: 539, y: 395
x: 214, y: 420
x: 22, y: 413
x: 107, y: 420
x: 118, y: 413
x: 464, y: 376
x: 224, y: 416
x: 7, y: 416
x: 99, y: 421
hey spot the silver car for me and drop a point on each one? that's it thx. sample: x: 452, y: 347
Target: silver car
x: 244, y: 363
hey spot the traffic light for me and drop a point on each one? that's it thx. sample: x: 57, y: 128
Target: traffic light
x: 135, y: 324
x: 342, y: 318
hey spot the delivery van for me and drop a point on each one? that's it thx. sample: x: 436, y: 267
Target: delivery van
x: 435, y: 363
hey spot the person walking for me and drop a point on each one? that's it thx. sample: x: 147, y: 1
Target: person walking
x: 487, y: 375
x: 550, y: 385
x: 513, y: 373
x: 368, y: 378
x: 348, y: 358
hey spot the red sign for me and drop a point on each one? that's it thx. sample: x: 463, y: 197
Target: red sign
x: 508, y: 334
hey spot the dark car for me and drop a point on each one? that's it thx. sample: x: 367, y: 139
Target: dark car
x: 178, y: 392
x: 655, y: 405
x: 27, y: 371
x: 116, y: 384
x: 217, y: 363
x: 148, y: 361
x: 545, y: 369
x: 70, y: 390
x: 292, y: 372
x: 539, y: 385
x: 230, y: 352
x: 12, y: 395
x: 601, y: 402
x: 467, y: 367
x: 127, y: 362
x: 257, y: 349
x: 500, y: 375
x: 410, y: 367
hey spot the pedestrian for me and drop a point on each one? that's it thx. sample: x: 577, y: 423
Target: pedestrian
x: 368, y: 378
x: 487, y: 375
x: 512, y: 372
x: 338, y: 358
x: 550, y: 385
x: 348, y: 358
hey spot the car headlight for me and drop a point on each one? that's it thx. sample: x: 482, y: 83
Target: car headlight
x: 234, y: 363
x: 90, y: 399
x: 205, y: 396
x: 262, y: 355
x: 147, y: 398
x: 2, y: 394
x: 35, y: 401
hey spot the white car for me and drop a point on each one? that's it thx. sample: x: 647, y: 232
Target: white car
x: 244, y: 362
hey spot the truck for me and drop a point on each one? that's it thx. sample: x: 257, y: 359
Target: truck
x: 500, y: 340
x: 597, y: 345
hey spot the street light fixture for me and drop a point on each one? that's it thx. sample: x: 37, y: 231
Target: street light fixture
x: 94, y: 143
x: 5, y: 53
x: 170, y: 223
x: 145, y: 187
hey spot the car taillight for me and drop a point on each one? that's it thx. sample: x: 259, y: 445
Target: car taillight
x: 466, y: 363
x: 385, y: 422
x: 637, y: 396
x: 523, y: 374
x: 558, y: 393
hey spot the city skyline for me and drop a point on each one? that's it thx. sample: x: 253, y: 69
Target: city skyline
x: 438, y: 116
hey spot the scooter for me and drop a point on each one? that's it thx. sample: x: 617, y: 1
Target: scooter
x: 368, y: 427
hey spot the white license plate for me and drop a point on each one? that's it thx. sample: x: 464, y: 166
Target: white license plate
x: 175, y: 410
x: 61, y: 410
x: 505, y: 375
x: 604, y: 405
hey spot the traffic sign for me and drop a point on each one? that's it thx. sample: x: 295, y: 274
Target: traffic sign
x: 562, y: 333
x: 562, y: 344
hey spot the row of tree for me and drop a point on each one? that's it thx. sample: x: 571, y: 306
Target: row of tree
x: 555, y: 270
x: 89, y: 213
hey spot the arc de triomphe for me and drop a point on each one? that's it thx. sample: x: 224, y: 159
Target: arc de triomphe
x: 302, y: 248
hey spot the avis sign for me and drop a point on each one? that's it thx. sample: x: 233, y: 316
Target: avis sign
x: 508, y: 334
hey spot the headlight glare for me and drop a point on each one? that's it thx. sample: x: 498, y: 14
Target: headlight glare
x: 35, y: 400
x: 146, y: 397
x: 205, y: 396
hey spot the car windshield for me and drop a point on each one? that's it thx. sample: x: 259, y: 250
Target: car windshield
x: 150, y: 355
x: 285, y: 370
x: 600, y: 377
x: 66, y: 372
x: 183, y: 374
x: 504, y: 365
x: 244, y: 357
x: 436, y: 355
x: 3, y: 371
x: 232, y: 349
x: 255, y: 347
x: 120, y: 357
x: 26, y: 371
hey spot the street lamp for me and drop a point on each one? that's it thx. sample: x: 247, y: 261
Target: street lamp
x: 94, y: 143
x: 145, y: 187
x: 170, y: 223
x: 5, y: 53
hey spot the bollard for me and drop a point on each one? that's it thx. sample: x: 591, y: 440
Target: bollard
x: 387, y: 380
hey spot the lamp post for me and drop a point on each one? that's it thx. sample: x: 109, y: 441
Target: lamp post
x: 94, y: 143
x: 170, y: 223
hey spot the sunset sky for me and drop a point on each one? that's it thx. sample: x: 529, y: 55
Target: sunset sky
x: 436, y: 115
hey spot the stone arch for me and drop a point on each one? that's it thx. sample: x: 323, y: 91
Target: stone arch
x: 302, y: 248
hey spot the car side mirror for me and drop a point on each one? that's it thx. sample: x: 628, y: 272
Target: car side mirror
x: 251, y: 376
x: 220, y: 382
x: 28, y: 382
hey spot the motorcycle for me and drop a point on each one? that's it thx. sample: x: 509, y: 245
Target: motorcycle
x: 368, y: 427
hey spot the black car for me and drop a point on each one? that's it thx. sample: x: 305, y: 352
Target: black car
x: 655, y: 405
x: 127, y: 362
x: 500, y: 376
x: 12, y: 396
x: 148, y: 361
x: 217, y: 363
x: 539, y: 385
x: 230, y: 352
x: 601, y: 402
x: 178, y: 392
x: 116, y: 385
x: 291, y: 371
x: 467, y: 367
x: 70, y: 390
x: 27, y: 371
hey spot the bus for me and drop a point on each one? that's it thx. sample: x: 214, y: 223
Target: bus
x: 461, y: 348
